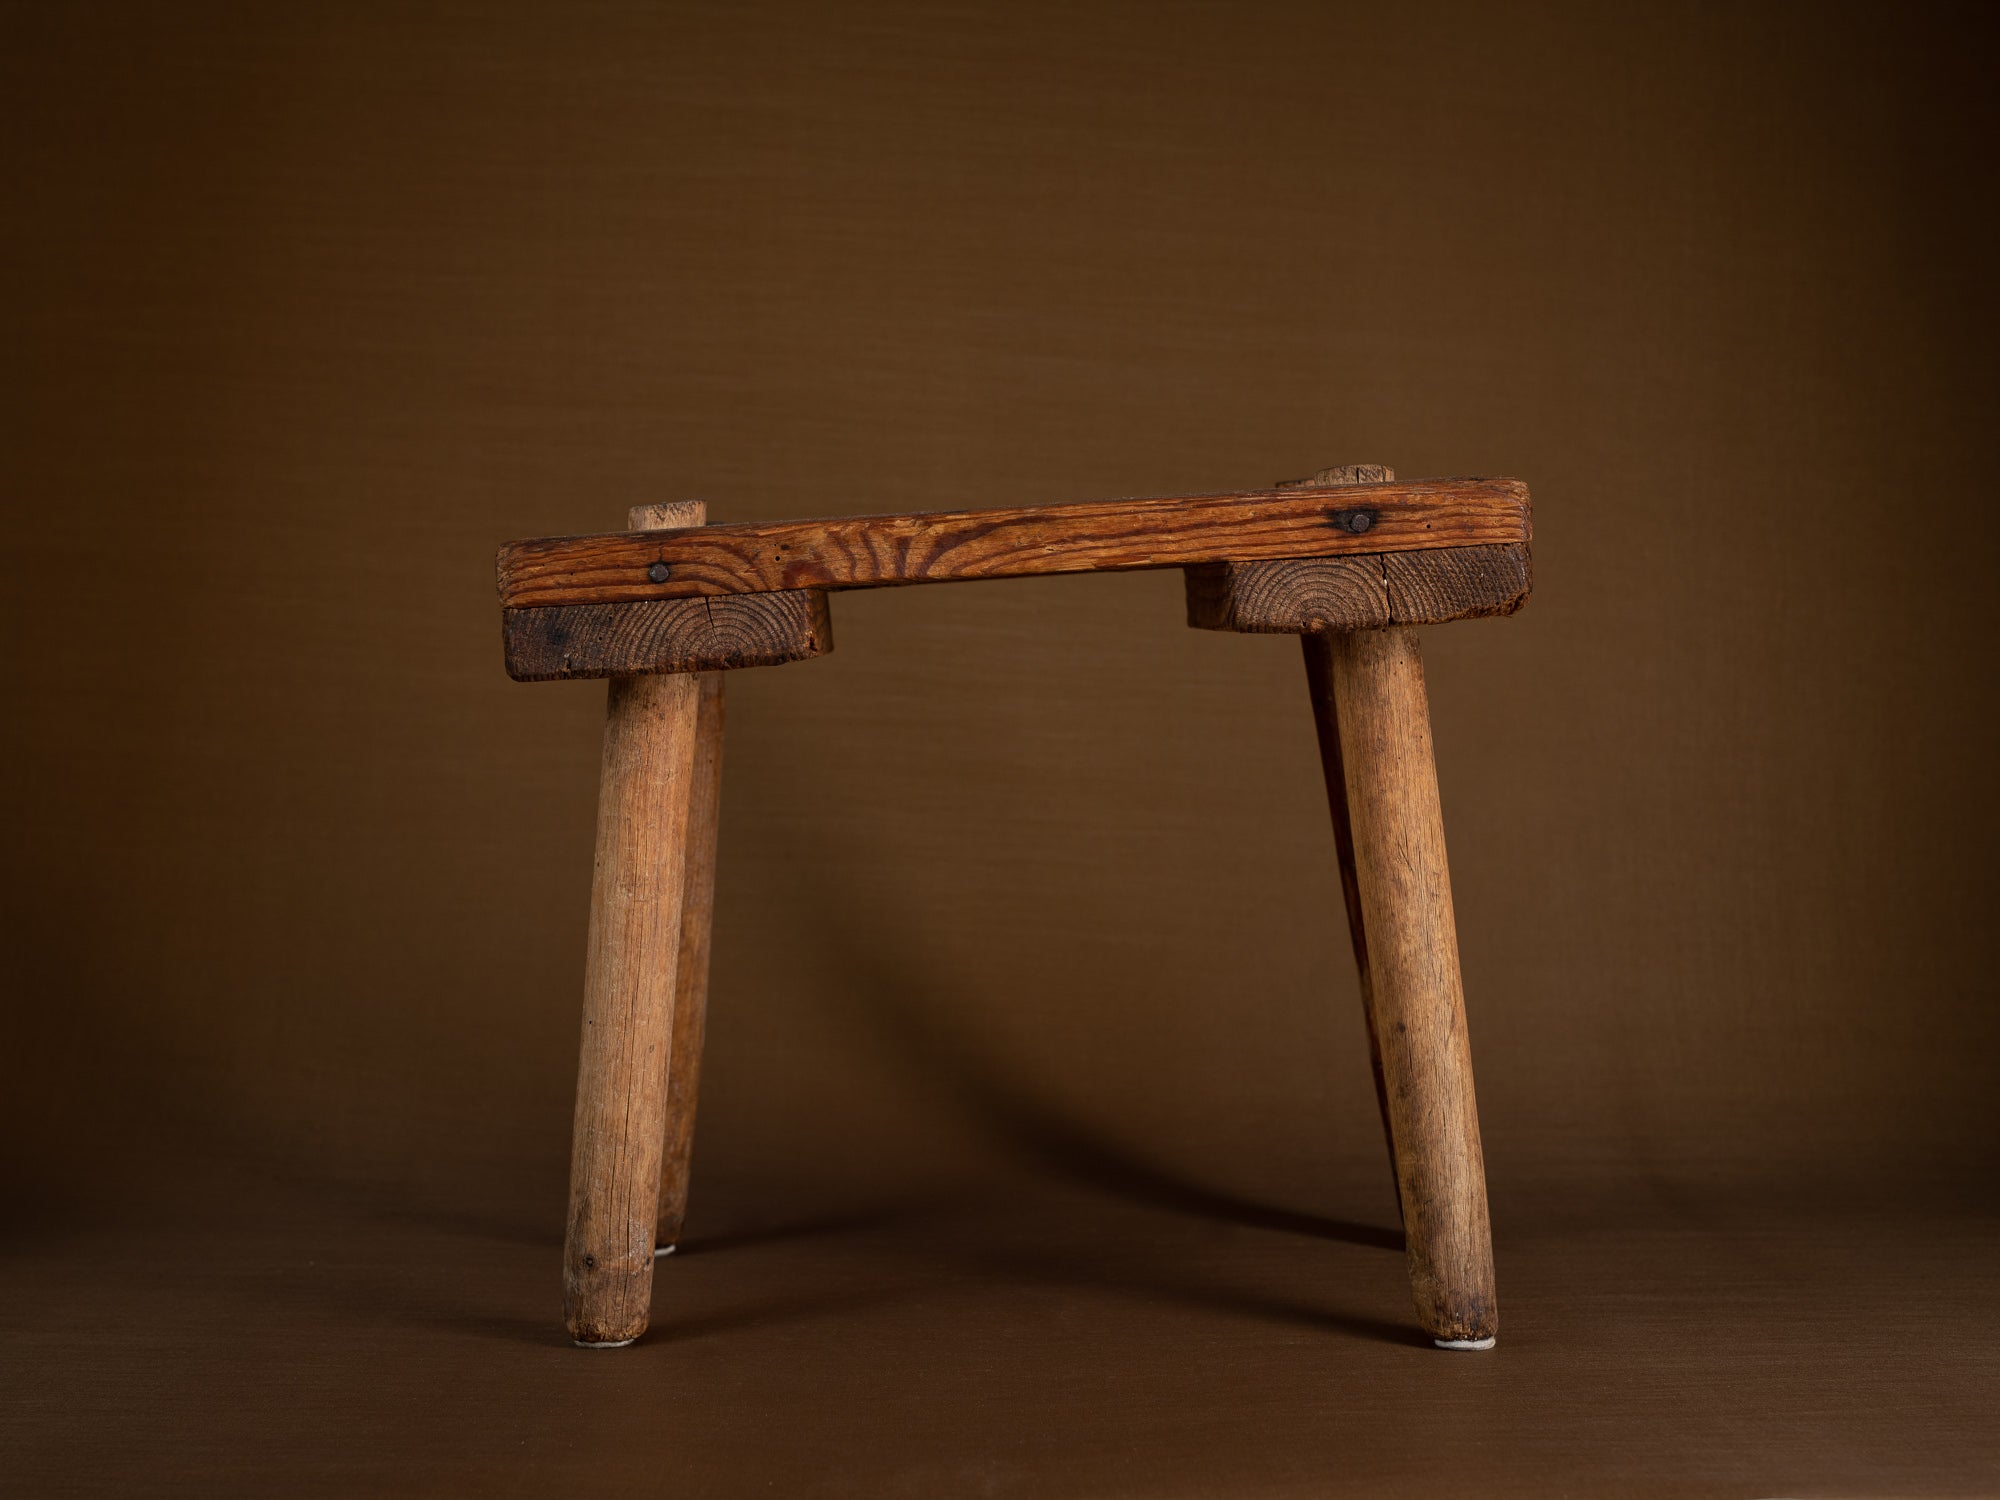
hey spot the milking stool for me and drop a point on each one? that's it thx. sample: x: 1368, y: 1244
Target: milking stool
x: 1349, y: 561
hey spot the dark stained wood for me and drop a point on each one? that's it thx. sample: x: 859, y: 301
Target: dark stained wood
x: 708, y: 634
x: 872, y: 551
x: 1302, y: 594
x: 691, y: 983
x: 1456, y: 583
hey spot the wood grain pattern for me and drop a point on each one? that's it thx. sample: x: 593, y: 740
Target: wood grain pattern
x: 631, y: 976
x: 628, y: 997
x: 1359, y: 593
x: 1292, y: 595
x: 690, y: 1022
x: 1456, y: 583
x: 873, y: 551
x: 1366, y: 592
x: 708, y: 634
x: 1414, y: 989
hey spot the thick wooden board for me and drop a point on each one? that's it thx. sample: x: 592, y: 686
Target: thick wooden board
x: 1302, y: 595
x: 873, y: 551
x: 666, y: 635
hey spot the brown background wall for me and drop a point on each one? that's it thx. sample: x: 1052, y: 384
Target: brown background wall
x: 308, y: 308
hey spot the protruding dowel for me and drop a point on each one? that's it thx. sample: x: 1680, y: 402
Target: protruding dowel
x: 1412, y: 974
x: 691, y: 988
x: 630, y: 977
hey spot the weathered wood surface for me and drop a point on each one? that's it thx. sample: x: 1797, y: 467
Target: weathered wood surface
x: 690, y: 1021
x: 1341, y: 474
x: 631, y: 974
x: 628, y: 1000
x: 1302, y: 594
x: 708, y: 634
x: 873, y: 551
x: 1297, y: 594
x: 1414, y: 990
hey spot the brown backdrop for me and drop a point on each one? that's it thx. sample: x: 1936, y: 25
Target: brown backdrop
x: 308, y: 308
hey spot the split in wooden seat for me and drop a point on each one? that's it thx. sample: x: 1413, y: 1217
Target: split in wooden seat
x: 1349, y: 560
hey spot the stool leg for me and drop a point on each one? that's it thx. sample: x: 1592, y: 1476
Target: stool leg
x: 691, y: 983
x: 1412, y: 981
x: 628, y: 1002
x: 1319, y: 686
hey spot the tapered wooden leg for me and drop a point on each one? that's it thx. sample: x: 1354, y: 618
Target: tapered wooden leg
x: 1319, y: 686
x: 691, y: 983
x: 1412, y: 978
x: 628, y: 1000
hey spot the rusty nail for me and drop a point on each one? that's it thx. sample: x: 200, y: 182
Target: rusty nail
x: 658, y: 572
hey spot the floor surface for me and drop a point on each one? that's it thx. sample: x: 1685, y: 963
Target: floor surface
x: 1021, y: 1340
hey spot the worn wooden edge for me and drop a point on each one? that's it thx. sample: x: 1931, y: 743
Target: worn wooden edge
x: 665, y: 635
x: 1298, y: 596
x: 1341, y: 474
x: 945, y: 546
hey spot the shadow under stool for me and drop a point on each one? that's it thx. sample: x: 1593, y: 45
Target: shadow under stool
x: 1348, y: 560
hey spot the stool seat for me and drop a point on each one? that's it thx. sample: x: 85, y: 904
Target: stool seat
x: 772, y: 577
x: 1349, y: 560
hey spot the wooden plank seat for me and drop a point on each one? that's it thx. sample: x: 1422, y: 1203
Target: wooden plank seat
x: 718, y: 597
x: 1349, y: 560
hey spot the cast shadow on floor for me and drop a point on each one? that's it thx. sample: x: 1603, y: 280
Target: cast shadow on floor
x: 883, y: 999
x: 899, y: 1009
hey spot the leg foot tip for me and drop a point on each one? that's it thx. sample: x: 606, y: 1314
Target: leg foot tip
x: 605, y: 1344
x: 660, y: 1250
x: 1485, y: 1343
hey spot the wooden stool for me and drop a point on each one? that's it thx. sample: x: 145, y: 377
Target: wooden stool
x: 1348, y: 561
